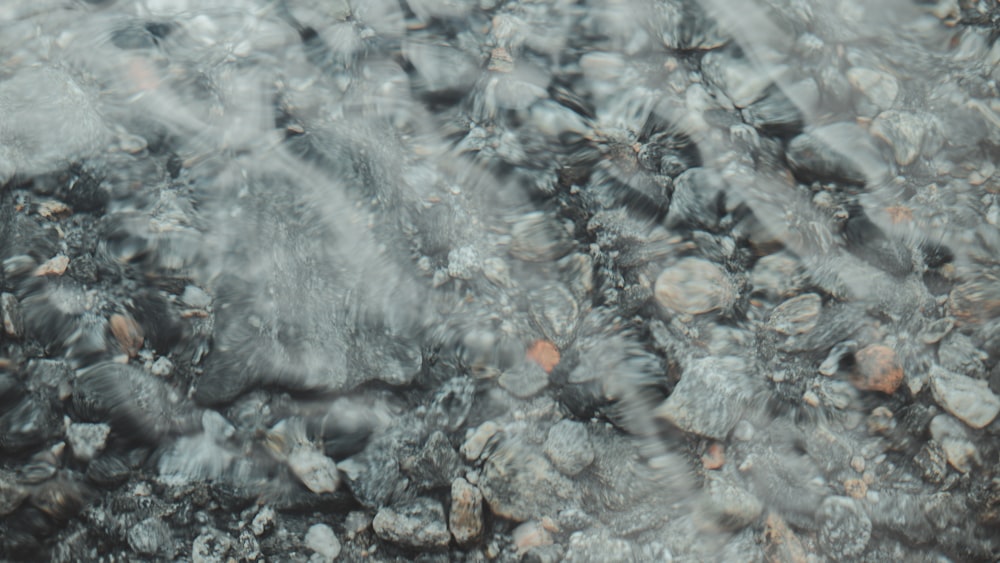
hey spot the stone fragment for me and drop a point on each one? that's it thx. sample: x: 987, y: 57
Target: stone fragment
x: 597, y: 545
x: 694, y: 286
x: 903, y: 131
x: 781, y: 545
x: 419, y: 524
x: 844, y: 528
x: 12, y: 494
x: 211, y: 547
x: 714, y: 457
x: 530, y: 535
x: 10, y: 313
x: 877, y: 369
x: 434, y: 465
x: 526, y: 379
x: 263, y: 521
x: 321, y: 539
x: 196, y: 297
x: 151, y: 537
x: 798, y: 315
x: 569, y: 448
x: 970, y: 400
x: 127, y: 332
x: 316, y: 471
x: 87, y: 439
x: 519, y: 484
x: 710, y: 398
x: 881, y: 88
x: 545, y: 354
x: 55, y: 266
x: 466, y: 517
x: 477, y: 440
x: 728, y: 505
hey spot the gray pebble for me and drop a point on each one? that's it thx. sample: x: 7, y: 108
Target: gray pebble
x: 211, y: 547
x: 694, y: 286
x: 798, y: 315
x: 710, y: 398
x: 844, y: 528
x: 86, y: 439
x: 729, y: 505
x: 569, y: 448
x: 524, y: 380
x: 463, y: 263
x: 11, y: 493
x: 419, y: 523
x: 10, y: 314
x: 151, y: 537
x: 970, y: 400
x: 263, y: 521
x: 196, y: 297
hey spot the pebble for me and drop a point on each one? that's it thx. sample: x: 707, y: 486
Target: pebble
x: 729, y: 505
x: 465, y: 520
x: 419, y: 524
x: 196, y: 297
x: 525, y: 380
x: 321, y: 539
x: 127, y: 332
x: 316, y: 471
x: 836, y: 152
x: 151, y: 537
x: 434, y: 465
x: 545, y: 354
x: 162, y: 367
x: 953, y: 437
x: 537, y: 238
x: 211, y: 547
x: 263, y: 521
x: 10, y: 313
x: 798, y: 315
x: 12, y: 494
x: 877, y: 369
x: 476, y: 441
x: 844, y: 528
x: 596, y: 545
x: 903, y: 131
x: 781, y: 543
x: 710, y: 397
x: 694, y: 286
x: 970, y: 400
x: 568, y: 447
x: 530, y: 535
x: 464, y: 262
x: 881, y: 88
x: 55, y: 266
x: 519, y: 484
x: 714, y: 457
x: 87, y: 439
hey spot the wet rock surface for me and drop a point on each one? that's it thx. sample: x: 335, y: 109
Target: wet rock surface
x: 679, y: 280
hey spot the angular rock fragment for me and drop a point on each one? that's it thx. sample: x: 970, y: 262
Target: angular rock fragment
x: 877, y: 369
x: 844, y: 528
x: 465, y: 520
x: 520, y: 484
x: 419, y: 524
x: 970, y: 400
x: 87, y: 439
x: 903, y: 131
x: 710, y: 398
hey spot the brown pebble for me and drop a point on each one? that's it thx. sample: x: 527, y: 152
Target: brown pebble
x: 53, y: 209
x: 877, y: 370
x: 127, y: 332
x: 781, y: 545
x: 856, y: 488
x: 715, y: 457
x: 55, y: 266
x: 545, y: 354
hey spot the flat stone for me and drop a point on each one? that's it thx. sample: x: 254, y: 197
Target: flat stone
x: 710, y: 397
x: 970, y: 400
x: 694, y: 286
x: 419, y: 523
x: 798, y: 315
x: 466, y: 518
x: 321, y: 539
x: 10, y: 312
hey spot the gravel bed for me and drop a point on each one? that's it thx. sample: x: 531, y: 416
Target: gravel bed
x: 523, y: 280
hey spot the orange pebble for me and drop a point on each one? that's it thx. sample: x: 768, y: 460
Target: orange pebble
x: 545, y: 354
x: 715, y: 457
